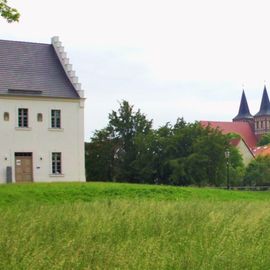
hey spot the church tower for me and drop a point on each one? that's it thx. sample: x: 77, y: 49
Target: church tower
x: 244, y: 113
x: 262, y: 118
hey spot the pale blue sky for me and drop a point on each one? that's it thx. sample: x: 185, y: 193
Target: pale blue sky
x: 168, y: 58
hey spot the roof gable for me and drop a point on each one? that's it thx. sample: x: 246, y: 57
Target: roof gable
x: 237, y: 143
x: 33, y: 69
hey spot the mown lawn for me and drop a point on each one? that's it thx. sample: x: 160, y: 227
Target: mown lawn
x: 123, y: 226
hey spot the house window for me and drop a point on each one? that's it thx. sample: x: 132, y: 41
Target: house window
x: 261, y: 124
x: 56, y: 119
x: 39, y: 117
x: 22, y: 117
x: 56, y: 163
x: 6, y: 116
x: 257, y: 124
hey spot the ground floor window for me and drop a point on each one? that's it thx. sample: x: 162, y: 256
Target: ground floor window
x: 56, y: 163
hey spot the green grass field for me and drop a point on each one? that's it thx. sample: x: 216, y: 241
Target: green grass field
x: 123, y: 226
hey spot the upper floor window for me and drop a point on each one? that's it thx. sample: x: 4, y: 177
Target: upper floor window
x: 56, y: 119
x: 22, y: 117
x: 56, y: 163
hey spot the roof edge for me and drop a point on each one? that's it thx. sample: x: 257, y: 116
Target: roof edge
x: 64, y: 60
x: 249, y: 148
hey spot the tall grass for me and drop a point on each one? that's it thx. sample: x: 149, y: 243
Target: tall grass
x: 135, y: 233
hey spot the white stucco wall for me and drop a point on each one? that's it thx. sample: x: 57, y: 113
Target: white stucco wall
x: 245, y: 152
x: 41, y: 140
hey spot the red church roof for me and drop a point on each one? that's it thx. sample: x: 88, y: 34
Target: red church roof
x: 241, y: 128
x: 235, y: 141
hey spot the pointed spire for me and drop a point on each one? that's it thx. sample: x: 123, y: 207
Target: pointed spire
x: 243, y: 113
x: 265, y: 104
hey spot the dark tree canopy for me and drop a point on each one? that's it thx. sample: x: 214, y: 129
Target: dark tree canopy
x: 8, y: 13
x: 265, y: 139
x: 258, y: 172
x: 130, y: 150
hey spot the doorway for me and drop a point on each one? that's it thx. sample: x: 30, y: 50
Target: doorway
x: 23, y: 167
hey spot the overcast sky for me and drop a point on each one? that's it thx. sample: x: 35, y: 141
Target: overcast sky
x: 168, y: 58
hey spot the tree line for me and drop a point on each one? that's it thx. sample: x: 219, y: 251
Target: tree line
x: 129, y: 149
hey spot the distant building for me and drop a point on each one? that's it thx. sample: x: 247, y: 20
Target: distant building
x: 244, y: 150
x: 261, y: 150
x: 41, y: 114
x: 260, y: 122
x: 250, y: 128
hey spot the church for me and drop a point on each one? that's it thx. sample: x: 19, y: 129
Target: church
x: 250, y: 127
x: 260, y: 122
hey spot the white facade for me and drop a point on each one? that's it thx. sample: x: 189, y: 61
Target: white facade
x: 41, y: 140
x: 245, y: 151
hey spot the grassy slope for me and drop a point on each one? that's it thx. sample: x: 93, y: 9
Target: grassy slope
x: 122, y: 226
x: 86, y: 192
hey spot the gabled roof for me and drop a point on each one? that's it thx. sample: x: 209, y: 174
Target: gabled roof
x: 236, y: 142
x: 33, y: 69
x: 241, y: 128
x: 265, y: 104
x: 244, y: 112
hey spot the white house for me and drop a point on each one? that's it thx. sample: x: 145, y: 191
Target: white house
x: 41, y: 114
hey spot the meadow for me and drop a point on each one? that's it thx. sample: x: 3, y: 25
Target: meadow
x: 126, y: 226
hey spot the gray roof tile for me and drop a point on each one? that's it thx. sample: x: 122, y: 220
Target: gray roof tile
x: 26, y: 67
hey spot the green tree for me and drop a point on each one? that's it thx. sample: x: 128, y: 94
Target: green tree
x: 152, y: 154
x: 8, y: 13
x: 237, y: 168
x: 124, y: 125
x: 99, y: 157
x: 128, y: 149
x: 111, y: 153
x: 265, y: 139
x: 258, y: 171
x: 198, y: 156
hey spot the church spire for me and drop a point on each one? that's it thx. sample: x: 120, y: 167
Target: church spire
x: 265, y: 104
x: 243, y: 113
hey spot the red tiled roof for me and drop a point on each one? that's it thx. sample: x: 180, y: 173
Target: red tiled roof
x: 241, y: 128
x: 235, y: 141
x: 261, y: 150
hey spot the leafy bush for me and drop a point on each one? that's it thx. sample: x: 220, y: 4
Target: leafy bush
x: 258, y: 172
x: 130, y: 150
x: 264, y: 140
